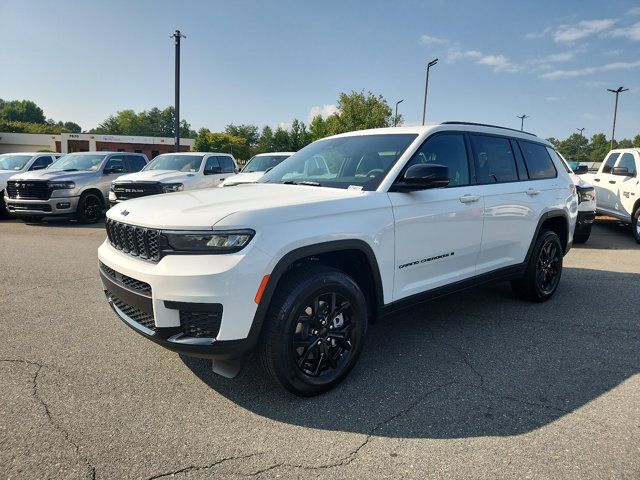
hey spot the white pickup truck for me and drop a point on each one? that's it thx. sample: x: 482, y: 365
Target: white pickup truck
x: 618, y: 187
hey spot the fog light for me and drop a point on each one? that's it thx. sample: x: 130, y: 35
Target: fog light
x: 64, y: 205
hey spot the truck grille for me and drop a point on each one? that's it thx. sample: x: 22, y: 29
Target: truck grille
x: 136, y: 241
x: 125, y: 191
x: 133, y: 313
x: 131, y: 283
x: 29, y: 189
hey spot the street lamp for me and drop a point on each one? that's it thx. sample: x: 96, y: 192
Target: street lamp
x: 176, y: 121
x: 580, y: 130
x: 617, y: 91
x: 522, y: 117
x: 395, y: 119
x: 426, y: 87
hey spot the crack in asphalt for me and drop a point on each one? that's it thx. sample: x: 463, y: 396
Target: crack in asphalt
x: 196, y: 468
x: 47, y: 412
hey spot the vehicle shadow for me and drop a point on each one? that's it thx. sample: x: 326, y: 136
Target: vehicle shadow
x: 609, y: 234
x: 62, y: 223
x: 473, y: 364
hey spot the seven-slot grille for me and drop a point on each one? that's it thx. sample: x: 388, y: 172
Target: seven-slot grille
x: 125, y: 191
x: 136, y: 241
x: 131, y: 283
x: 29, y: 189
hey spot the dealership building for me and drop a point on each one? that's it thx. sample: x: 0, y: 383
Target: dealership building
x: 90, y: 142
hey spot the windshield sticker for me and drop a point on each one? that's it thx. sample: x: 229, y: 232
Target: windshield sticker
x: 354, y: 187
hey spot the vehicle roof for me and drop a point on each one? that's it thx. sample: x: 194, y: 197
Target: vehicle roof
x: 197, y: 153
x: 33, y: 154
x: 623, y: 150
x: 424, y: 130
x: 273, y: 153
x: 102, y: 153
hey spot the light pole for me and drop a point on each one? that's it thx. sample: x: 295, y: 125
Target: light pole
x: 581, y: 137
x: 580, y: 130
x: 395, y: 118
x: 426, y: 87
x: 176, y: 121
x: 522, y: 117
x: 617, y: 91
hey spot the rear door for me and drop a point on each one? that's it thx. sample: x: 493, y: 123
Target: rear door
x: 438, y: 231
x: 515, y: 196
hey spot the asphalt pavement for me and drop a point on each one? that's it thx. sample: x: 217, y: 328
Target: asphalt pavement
x: 475, y: 385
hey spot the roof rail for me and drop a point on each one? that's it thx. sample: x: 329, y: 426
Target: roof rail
x: 487, y: 125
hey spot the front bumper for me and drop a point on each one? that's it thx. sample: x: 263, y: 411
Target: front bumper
x: 585, y: 220
x: 55, y: 206
x: 182, y: 285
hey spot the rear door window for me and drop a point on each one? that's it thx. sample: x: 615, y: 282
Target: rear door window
x: 227, y: 164
x: 212, y: 166
x: 539, y: 163
x: 495, y: 162
x: 135, y: 163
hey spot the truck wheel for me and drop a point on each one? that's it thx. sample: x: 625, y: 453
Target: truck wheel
x: 635, y: 224
x: 583, y: 235
x: 314, y: 330
x: 543, y: 272
x: 4, y: 213
x: 89, y: 208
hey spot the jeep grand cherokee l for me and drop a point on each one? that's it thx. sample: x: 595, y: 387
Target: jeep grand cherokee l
x: 297, y: 264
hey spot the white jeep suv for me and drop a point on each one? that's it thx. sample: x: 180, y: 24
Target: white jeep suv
x: 296, y: 266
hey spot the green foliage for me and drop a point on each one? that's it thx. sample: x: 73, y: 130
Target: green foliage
x: 207, y: 141
x: 359, y: 111
x: 266, y: 140
x: 21, y: 111
x: 248, y: 132
x: 575, y: 147
x: 25, y: 127
x: 152, y: 123
x: 318, y: 128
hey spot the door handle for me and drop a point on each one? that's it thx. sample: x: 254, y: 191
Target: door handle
x: 612, y: 181
x: 469, y: 198
x: 531, y: 192
x: 596, y: 179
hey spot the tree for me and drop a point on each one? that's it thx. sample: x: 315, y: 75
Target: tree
x: 359, y: 111
x: 318, y: 128
x: 207, y: 141
x: 248, y: 132
x: 636, y: 141
x: 265, y: 143
x: 554, y: 141
x: 21, y: 111
x: 575, y: 148
x: 72, y: 127
x: 599, y: 147
x: 281, y: 140
x: 153, y: 123
x: 625, y: 143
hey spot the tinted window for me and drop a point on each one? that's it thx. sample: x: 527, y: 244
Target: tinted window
x: 626, y: 160
x: 559, y: 158
x: 448, y: 150
x: 494, y: 159
x: 611, y: 161
x: 212, y: 165
x: 539, y: 163
x: 116, y: 163
x: 41, y: 162
x: 227, y: 164
x: 136, y: 163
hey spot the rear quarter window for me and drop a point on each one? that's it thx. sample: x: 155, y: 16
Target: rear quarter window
x: 538, y: 161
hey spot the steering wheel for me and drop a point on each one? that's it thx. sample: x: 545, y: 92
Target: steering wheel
x: 374, y: 172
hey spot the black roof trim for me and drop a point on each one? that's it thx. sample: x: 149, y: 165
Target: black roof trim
x: 487, y: 125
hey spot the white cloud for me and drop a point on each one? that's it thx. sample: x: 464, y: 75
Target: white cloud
x: 543, y: 33
x: 499, y: 63
x: 634, y: 11
x: 284, y: 125
x: 583, y: 29
x: 429, y: 40
x: 632, y: 32
x: 553, y: 99
x: 589, y: 116
x: 325, y: 110
x: 589, y: 70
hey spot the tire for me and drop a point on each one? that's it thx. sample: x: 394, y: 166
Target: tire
x: 90, y: 208
x: 4, y: 213
x: 543, y: 272
x: 583, y: 235
x: 635, y: 224
x: 298, y: 351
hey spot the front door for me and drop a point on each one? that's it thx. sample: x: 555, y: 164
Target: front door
x: 438, y: 231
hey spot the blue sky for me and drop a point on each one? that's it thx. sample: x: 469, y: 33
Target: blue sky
x: 268, y: 62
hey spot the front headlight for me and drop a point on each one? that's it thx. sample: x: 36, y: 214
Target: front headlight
x: 113, y: 184
x: 586, y: 194
x: 61, y: 185
x: 221, y: 241
x: 172, y: 187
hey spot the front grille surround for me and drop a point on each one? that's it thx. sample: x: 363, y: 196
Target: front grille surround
x: 136, y: 241
x: 29, y: 189
x: 126, y: 191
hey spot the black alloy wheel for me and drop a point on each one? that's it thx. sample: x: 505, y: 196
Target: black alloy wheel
x: 547, y: 267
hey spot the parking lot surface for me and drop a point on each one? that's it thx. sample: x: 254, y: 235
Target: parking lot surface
x: 478, y: 384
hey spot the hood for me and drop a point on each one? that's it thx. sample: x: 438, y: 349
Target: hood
x: 6, y: 175
x: 58, y: 175
x: 243, y: 178
x: 202, y: 209
x: 164, y: 176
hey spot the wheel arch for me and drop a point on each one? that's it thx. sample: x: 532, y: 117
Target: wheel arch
x: 556, y: 220
x: 96, y: 191
x: 321, y: 252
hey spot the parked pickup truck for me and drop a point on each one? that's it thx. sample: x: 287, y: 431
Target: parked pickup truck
x: 618, y: 188
x: 175, y: 172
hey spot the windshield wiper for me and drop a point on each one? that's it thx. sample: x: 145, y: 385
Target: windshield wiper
x: 304, y: 182
x: 69, y: 169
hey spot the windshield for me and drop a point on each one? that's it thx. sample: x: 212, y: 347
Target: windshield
x: 182, y: 163
x: 14, y: 162
x: 261, y: 163
x: 78, y: 161
x: 358, y: 162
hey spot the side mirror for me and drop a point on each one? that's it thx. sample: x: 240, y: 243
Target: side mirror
x: 213, y: 170
x: 622, y: 171
x: 422, y: 177
x: 580, y: 169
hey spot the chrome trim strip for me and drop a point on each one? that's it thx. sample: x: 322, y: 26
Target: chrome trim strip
x: 181, y: 338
